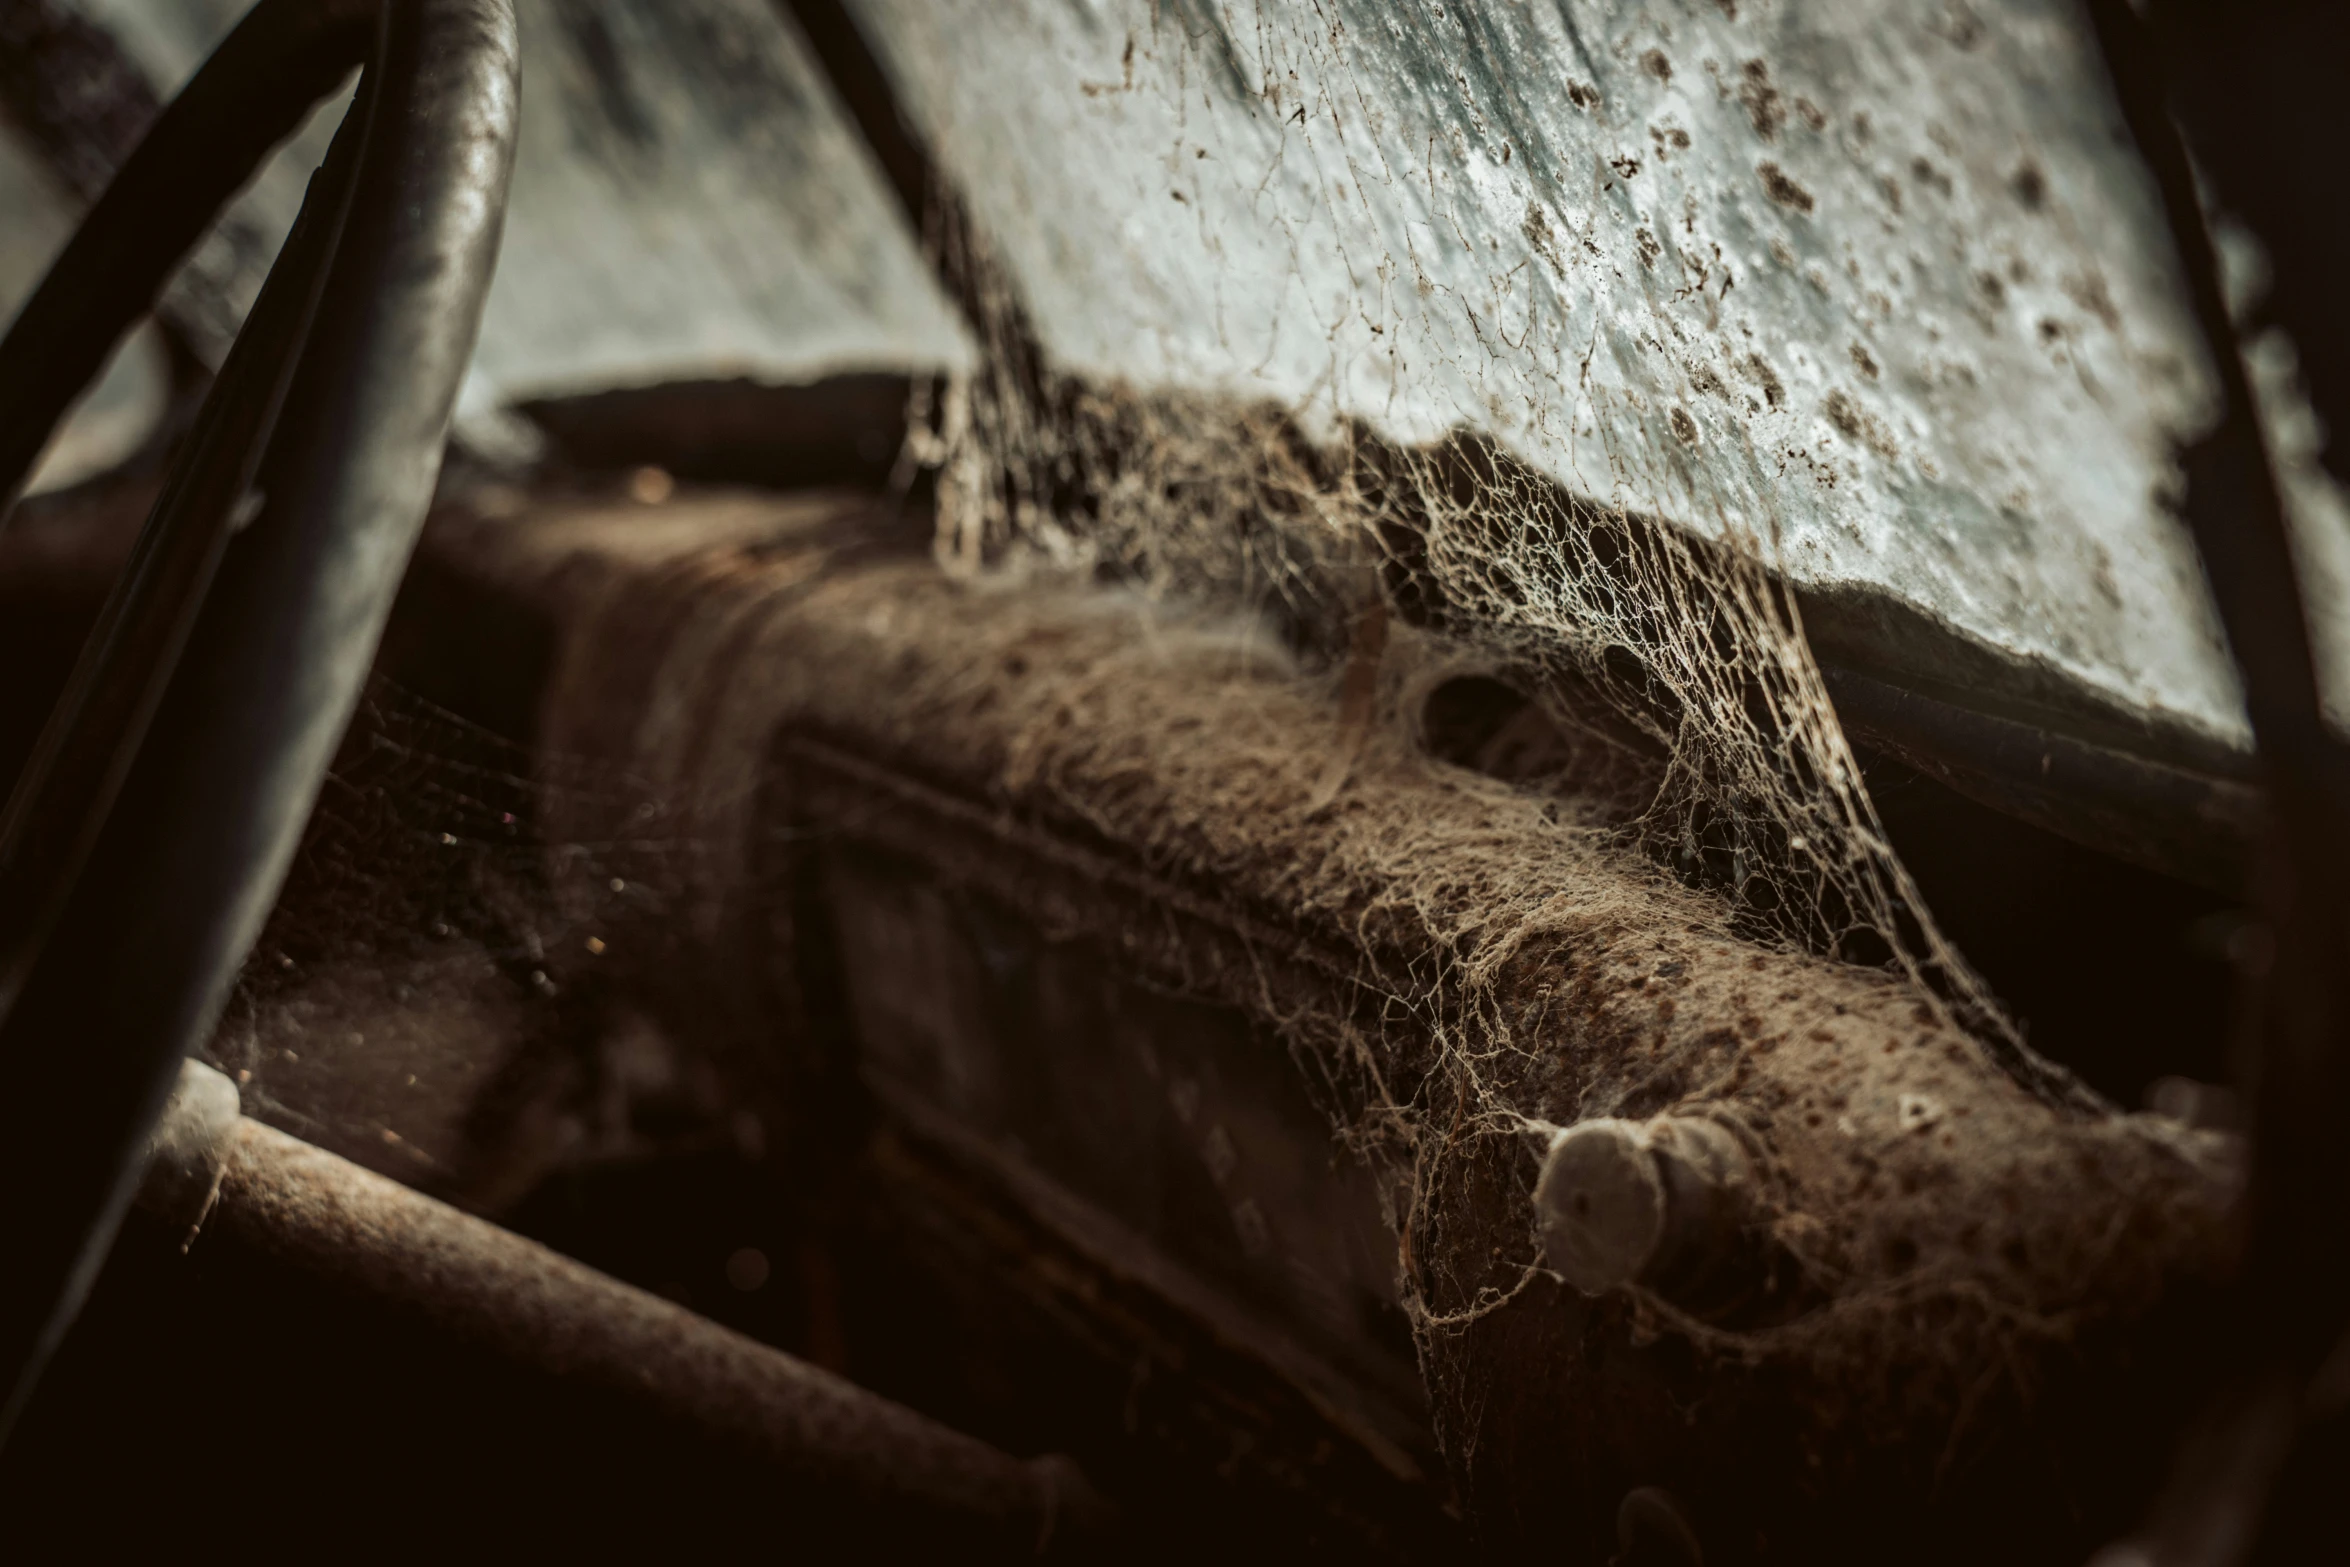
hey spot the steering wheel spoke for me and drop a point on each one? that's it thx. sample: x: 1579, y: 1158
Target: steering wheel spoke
x: 147, y: 837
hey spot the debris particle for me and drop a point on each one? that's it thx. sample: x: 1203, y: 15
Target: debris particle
x: 1843, y: 415
x: 1684, y: 427
x: 2088, y: 290
x: 1919, y: 1111
x: 1926, y: 174
x: 595, y: 944
x: 1764, y: 107
x: 650, y: 486
x: 1857, y: 423
x: 1783, y: 190
x: 1538, y: 233
x: 2030, y: 185
x: 1958, y: 24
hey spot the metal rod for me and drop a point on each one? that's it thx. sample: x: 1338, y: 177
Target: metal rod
x: 840, y: 1453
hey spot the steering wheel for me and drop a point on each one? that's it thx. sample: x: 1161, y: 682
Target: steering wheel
x: 149, y: 832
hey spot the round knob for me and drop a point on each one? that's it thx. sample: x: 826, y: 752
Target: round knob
x: 1662, y: 1203
x: 1602, y: 1204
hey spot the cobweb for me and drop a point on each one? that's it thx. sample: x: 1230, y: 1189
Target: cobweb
x: 1609, y: 617
x: 433, y: 856
x: 433, y: 991
x: 1688, y: 646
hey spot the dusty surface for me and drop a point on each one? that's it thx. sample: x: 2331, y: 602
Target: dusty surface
x: 1504, y: 965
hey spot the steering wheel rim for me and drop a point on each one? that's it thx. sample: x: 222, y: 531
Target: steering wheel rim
x: 148, y: 835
